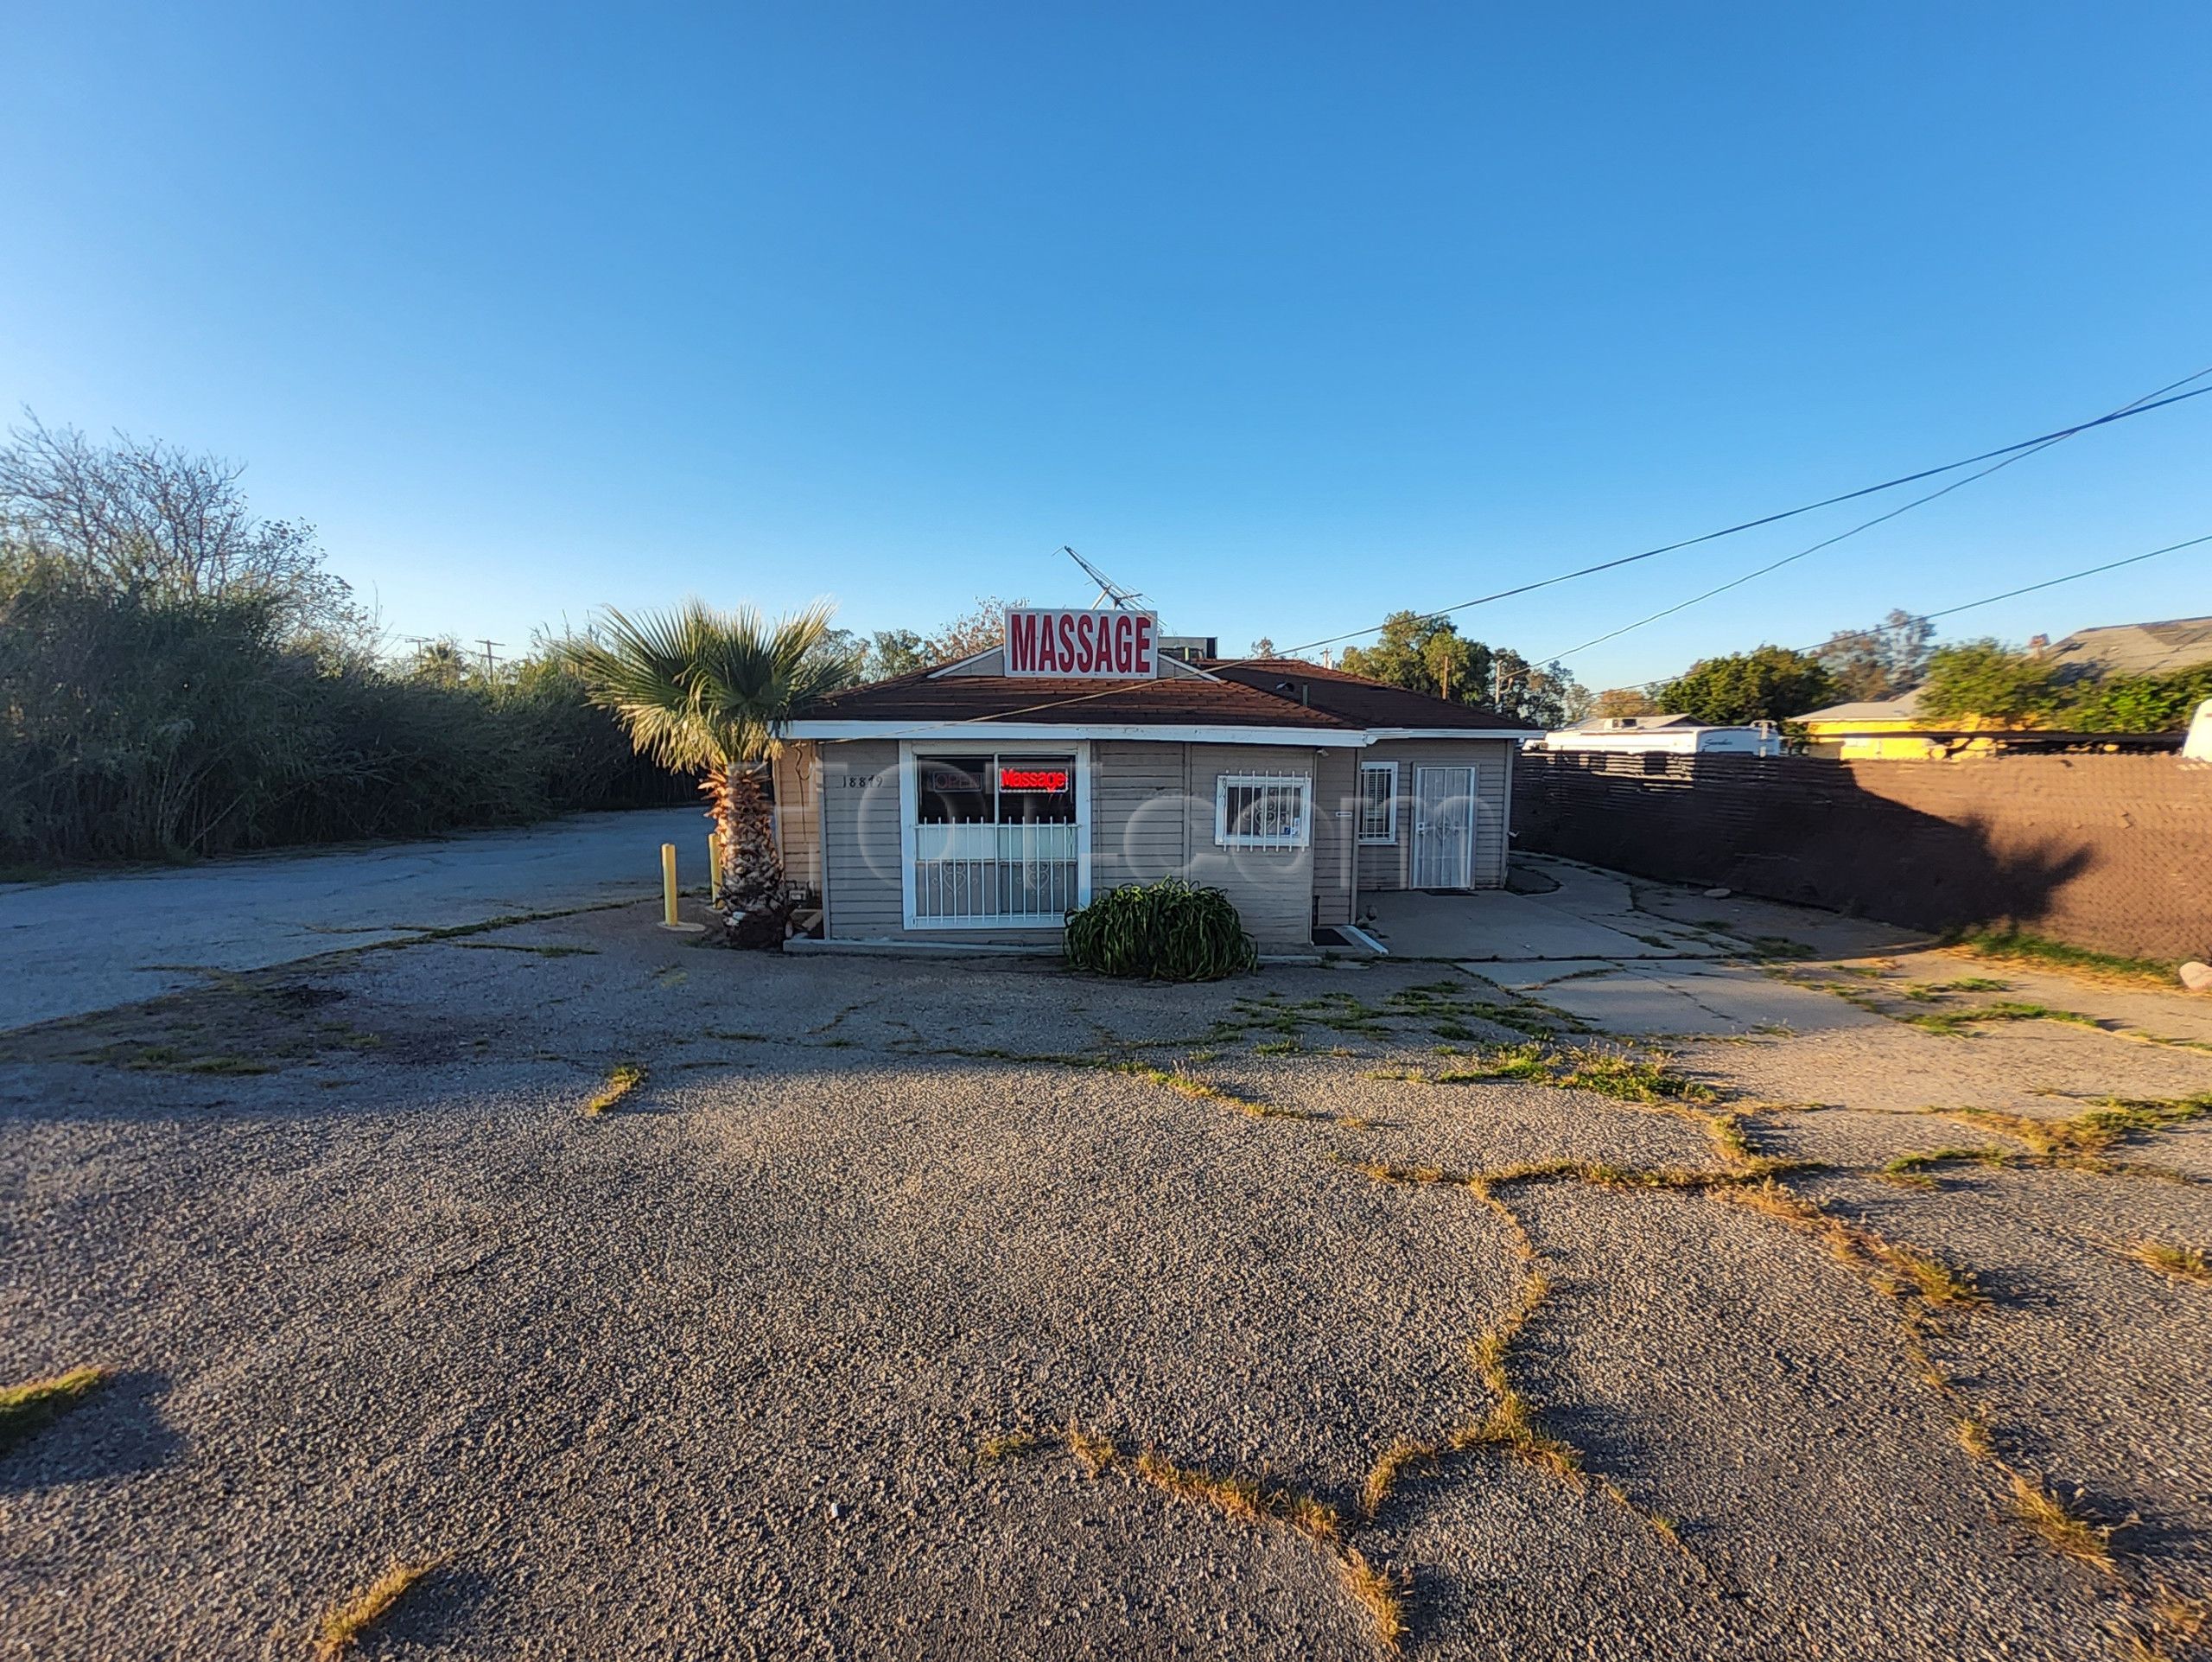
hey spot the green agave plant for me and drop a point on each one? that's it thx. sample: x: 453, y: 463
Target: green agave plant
x: 1170, y: 930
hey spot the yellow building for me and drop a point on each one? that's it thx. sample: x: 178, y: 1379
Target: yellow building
x: 1888, y: 729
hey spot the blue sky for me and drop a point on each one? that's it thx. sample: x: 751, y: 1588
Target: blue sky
x: 1288, y: 315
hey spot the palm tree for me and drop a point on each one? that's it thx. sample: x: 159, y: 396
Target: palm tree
x: 699, y: 688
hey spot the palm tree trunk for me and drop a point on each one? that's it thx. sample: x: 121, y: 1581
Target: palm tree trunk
x: 752, y: 879
x: 721, y: 813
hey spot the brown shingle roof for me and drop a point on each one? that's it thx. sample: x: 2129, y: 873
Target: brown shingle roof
x: 1362, y: 702
x: 2137, y: 648
x: 1170, y: 702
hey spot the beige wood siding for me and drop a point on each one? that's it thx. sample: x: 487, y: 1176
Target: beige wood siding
x: 860, y: 840
x: 1336, y: 832
x: 1387, y: 865
x: 1152, y: 815
x: 1273, y: 889
x: 798, y: 815
x: 1138, y: 828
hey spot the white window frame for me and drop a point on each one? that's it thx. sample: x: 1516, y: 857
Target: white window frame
x: 909, y: 804
x: 1300, y: 837
x: 1388, y: 837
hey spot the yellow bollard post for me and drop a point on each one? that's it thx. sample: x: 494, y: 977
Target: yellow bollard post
x: 714, y: 868
x: 669, y: 919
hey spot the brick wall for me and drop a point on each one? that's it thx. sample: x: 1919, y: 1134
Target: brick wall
x: 2110, y: 852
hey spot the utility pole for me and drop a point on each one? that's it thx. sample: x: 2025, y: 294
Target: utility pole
x: 487, y: 646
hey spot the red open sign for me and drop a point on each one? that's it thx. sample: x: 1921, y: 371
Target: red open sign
x: 1032, y: 778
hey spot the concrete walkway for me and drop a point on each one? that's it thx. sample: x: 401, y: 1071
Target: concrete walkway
x: 1646, y: 999
x: 74, y: 948
x: 1596, y: 944
x: 1591, y: 914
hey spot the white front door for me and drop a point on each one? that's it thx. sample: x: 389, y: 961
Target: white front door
x: 1444, y: 827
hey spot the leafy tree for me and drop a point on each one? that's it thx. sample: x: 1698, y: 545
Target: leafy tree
x: 895, y: 651
x: 1624, y: 701
x: 979, y: 628
x: 1264, y: 647
x: 700, y: 689
x: 1986, y: 679
x: 2139, y: 703
x: 1544, y: 694
x: 140, y: 517
x: 180, y: 677
x: 885, y: 653
x: 843, y: 643
x: 1424, y: 654
x: 1429, y: 654
x: 1883, y: 662
x: 1767, y: 684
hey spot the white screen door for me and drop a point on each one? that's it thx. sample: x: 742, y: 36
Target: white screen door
x: 1444, y: 827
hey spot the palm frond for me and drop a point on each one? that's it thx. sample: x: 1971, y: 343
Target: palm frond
x: 701, y: 688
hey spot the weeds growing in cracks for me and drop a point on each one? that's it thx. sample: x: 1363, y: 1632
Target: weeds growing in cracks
x: 2015, y: 946
x: 1005, y: 1444
x: 25, y: 1408
x: 342, y: 1627
x: 1613, y: 1074
x: 2082, y: 1142
x: 1913, y: 1168
x: 1889, y: 1267
x: 2061, y: 1529
x: 626, y: 1078
x: 1510, y: 1425
x: 2180, y: 1263
x: 1378, y: 1592
x: 1959, y: 1021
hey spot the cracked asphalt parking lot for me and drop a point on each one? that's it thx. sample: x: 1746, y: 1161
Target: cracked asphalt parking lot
x: 906, y: 1308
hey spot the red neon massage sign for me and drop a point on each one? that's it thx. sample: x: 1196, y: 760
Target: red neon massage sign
x: 1034, y: 779
x: 1098, y: 646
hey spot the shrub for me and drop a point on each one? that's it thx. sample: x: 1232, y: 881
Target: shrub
x: 135, y: 726
x: 1170, y: 930
x: 180, y: 677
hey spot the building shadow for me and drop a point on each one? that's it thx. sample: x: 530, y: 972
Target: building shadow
x: 1796, y: 829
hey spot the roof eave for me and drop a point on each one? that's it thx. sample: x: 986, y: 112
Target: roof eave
x: 1162, y: 732
x: 1375, y: 734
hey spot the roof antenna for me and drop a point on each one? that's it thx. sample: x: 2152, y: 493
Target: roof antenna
x: 1108, y: 589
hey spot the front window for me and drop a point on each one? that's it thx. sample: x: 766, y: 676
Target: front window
x: 1378, y: 802
x: 995, y: 839
x: 1264, y: 811
x: 994, y: 788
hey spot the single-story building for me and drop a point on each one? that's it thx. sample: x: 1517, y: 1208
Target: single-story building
x: 1672, y: 735
x: 2162, y: 648
x: 1873, y: 729
x: 975, y: 803
x: 1893, y: 730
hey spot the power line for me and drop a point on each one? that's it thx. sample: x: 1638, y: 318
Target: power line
x: 2013, y: 453
x: 1787, y: 559
x: 2004, y: 456
x: 1925, y: 617
x: 2142, y: 406
x: 2071, y: 576
x: 2030, y: 588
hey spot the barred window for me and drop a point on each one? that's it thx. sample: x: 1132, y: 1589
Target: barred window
x: 1378, y: 802
x: 1264, y: 811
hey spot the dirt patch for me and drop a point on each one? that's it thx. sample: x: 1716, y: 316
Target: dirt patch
x: 236, y: 1025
